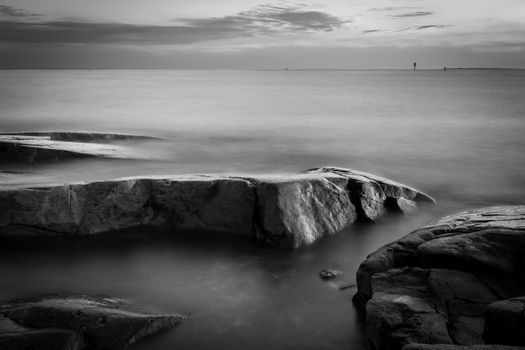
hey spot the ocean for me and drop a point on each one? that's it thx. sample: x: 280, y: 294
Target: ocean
x: 457, y: 135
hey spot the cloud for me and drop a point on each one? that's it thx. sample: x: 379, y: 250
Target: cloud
x: 371, y: 31
x: 413, y: 14
x: 430, y: 26
x: 264, y: 20
x: 16, y: 12
x: 92, y: 32
x: 272, y: 18
x: 386, y: 9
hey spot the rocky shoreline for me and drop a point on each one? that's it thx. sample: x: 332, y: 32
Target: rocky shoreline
x: 456, y: 283
x: 282, y: 210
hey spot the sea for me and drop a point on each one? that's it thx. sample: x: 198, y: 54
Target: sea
x: 458, y: 135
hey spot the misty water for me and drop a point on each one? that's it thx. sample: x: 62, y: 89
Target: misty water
x: 458, y: 135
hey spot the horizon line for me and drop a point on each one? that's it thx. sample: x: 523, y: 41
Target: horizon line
x: 273, y: 69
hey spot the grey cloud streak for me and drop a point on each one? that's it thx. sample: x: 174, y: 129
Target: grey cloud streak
x: 426, y: 26
x: 429, y: 26
x: 262, y: 20
x: 386, y: 9
x: 413, y: 14
x: 16, y: 12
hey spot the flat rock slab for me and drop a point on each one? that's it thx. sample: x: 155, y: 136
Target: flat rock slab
x: 45, y: 146
x: 83, y: 136
x: 75, y: 321
x: 283, y: 210
x: 444, y: 283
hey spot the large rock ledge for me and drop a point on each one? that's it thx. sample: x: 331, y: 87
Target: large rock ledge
x: 45, y: 146
x: 287, y: 211
x: 453, y: 284
x: 75, y: 321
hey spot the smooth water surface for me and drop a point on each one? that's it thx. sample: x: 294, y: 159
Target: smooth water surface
x: 458, y: 135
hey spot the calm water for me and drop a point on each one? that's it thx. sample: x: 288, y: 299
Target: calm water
x: 457, y: 135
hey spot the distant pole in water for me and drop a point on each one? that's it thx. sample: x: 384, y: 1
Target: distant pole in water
x: 415, y: 64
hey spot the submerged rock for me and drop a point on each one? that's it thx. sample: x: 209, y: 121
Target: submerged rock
x: 441, y: 284
x: 286, y: 210
x: 74, y: 321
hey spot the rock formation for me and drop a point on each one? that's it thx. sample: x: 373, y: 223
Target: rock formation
x: 71, y: 136
x: 287, y: 210
x: 45, y: 146
x: 447, y: 284
x: 505, y: 322
x: 74, y: 321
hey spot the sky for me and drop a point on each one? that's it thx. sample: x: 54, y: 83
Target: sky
x: 261, y: 34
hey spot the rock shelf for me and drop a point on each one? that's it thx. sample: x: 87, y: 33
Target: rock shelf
x: 283, y: 210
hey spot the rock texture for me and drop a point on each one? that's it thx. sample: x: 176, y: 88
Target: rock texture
x: 459, y: 347
x: 45, y: 146
x: 83, y: 136
x: 286, y: 211
x: 442, y: 284
x: 373, y: 194
x: 505, y: 322
x: 74, y: 321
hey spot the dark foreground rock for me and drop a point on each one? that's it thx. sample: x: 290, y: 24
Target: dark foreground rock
x: 73, y: 321
x: 45, y: 146
x: 443, y: 284
x: 287, y: 210
x: 459, y: 347
x: 505, y: 322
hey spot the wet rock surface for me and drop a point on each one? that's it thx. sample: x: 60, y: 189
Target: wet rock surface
x: 444, y: 283
x: 282, y: 210
x: 76, y: 321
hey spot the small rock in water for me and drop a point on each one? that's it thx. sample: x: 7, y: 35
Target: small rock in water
x: 329, y: 274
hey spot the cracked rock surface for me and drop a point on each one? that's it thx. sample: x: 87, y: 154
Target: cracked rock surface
x: 76, y: 321
x: 453, y: 284
x: 282, y: 210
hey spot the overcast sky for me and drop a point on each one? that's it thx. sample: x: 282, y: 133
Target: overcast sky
x: 261, y: 34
